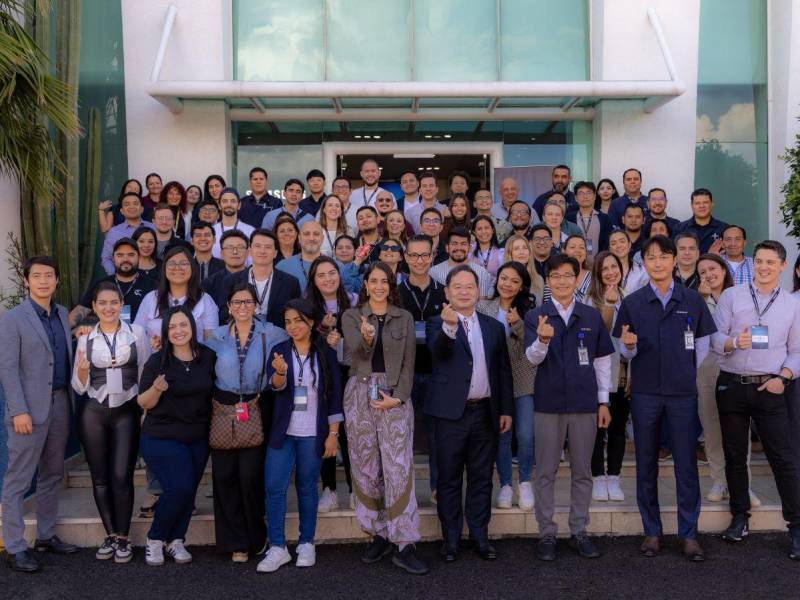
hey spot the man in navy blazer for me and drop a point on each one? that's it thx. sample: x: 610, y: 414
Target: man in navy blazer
x: 470, y: 398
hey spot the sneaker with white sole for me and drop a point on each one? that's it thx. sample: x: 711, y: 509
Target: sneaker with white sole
x: 178, y: 552
x: 615, y: 493
x: 154, y: 553
x: 306, y: 555
x: 526, y: 497
x: 107, y: 549
x: 505, y: 497
x: 123, y: 553
x: 328, y: 501
x: 275, y: 558
x: 717, y: 493
x: 755, y: 501
x: 599, y: 488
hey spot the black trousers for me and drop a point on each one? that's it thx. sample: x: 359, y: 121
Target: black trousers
x: 620, y: 409
x: 238, y: 480
x: 469, y: 442
x: 328, y: 469
x: 110, y: 438
x: 737, y: 404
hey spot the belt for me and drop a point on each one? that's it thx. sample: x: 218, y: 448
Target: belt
x: 746, y: 379
x: 477, y: 401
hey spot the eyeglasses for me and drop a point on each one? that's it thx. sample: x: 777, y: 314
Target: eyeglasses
x: 235, y: 249
x: 417, y: 255
x: 174, y: 266
x: 539, y: 239
x: 519, y: 213
x: 238, y: 303
x: 561, y: 276
x: 391, y: 248
x: 585, y: 193
x: 431, y: 221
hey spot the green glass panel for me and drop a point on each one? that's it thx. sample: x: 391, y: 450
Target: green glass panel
x: 282, y: 163
x: 733, y: 42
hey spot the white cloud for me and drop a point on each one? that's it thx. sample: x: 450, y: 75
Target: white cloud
x: 736, y: 125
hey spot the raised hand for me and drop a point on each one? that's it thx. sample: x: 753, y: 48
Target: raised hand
x: 367, y: 330
x: 611, y: 294
x: 279, y: 364
x: 512, y: 316
x: 155, y: 342
x: 744, y: 341
x: 82, y: 362
x: 449, y: 315
x: 333, y: 338
x: 329, y: 321
x: 104, y: 205
x: 628, y: 337
x: 716, y: 247
x: 704, y: 288
x: 160, y: 383
x: 544, y: 331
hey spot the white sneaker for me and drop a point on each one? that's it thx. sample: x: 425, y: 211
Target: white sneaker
x: 599, y: 489
x: 154, y: 553
x: 306, y: 556
x: 328, y: 501
x: 526, y: 497
x: 615, y: 493
x: 505, y: 497
x: 178, y: 552
x: 717, y: 493
x: 755, y: 501
x: 276, y: 557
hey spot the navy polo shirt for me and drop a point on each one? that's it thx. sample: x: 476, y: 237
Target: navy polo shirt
x: 562, y: 384
x: 662, y: 365
x: 54, y: 329
x: 707, y: 234
x: 618, y: 205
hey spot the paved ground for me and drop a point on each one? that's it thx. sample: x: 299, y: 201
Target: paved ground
x: 758, y: 568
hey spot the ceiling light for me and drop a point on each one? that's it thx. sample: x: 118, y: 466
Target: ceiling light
x: 447, y: 136
x: 358, y: 137
x: 428, y: 136
x: 376, y: 137
x: 435, y: 168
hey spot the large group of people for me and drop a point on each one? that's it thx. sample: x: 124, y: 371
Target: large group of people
x: 279, y: 336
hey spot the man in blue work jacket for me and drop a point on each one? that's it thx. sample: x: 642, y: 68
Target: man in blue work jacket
x: 664, y: 331
x: 570, y: 344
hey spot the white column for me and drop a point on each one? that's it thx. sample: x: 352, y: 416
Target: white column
x: 196, y: 143
x: 660, y: 144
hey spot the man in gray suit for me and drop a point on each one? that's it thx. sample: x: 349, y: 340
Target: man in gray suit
x: 35, y: 370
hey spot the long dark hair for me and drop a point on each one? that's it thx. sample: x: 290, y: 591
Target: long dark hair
x: 286, y: 218
x: 209, y: 179
x: 521, y: 301
x: 240, y: 286
x: 466, y: 222
x: 318, y: 347
x: 596, y: 289
x: 394, y: 294
x: 193, y: 290
x: 597, y: 201
x: 122, y: 191
x: 493, y: 243
x: 177, y: 211
x: 728, y: 278
x: 314, y: 296
x: 166, y: 345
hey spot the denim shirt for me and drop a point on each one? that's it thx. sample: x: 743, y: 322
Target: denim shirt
x: 227, y: 366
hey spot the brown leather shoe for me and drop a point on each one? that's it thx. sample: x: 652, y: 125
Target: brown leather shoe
x: 693, y: 551
x: 650, y: 546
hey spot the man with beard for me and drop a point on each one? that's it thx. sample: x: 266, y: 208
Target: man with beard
x: 562, y: 175
x: 165, y: 230
x: 428, y: 190
x: 632, y: 182
x: 292, y: 196
x: 632, y: 221
x: 370, y: 175
x: 131, y: 208
x: 256, y: 204
x: 509, y: 195
x: 368, y: 235
x: 657, y: 205
x: 409, y: 183
x: 229, y: 205
x: 457, y: 251
x: 132, y: 285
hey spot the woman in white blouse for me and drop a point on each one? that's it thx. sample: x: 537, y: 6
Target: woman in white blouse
x: 333, y: 222
x: 179, y: 284
x: 108, y: 362
x: 575, y: 246
x: 633, y: 274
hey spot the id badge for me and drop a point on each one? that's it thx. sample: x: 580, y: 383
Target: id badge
x: 114, y: 381
x: 583, y: 356
x: 589, y: 246
x: 688, y: 339
x: 300, y: 398
x: 760, y: 337
x: 242, y: 412
x: 125, y: 314
x: 419, y: 330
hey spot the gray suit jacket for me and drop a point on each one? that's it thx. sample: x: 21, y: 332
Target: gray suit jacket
x: 26, y: 363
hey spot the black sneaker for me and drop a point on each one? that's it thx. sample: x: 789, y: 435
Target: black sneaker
x: 107, y: 549
x: 546, y: 548
x: 376, y: 550
x: 124, y: 552
x: 584, y: 546
x: 407, y: 559
x: 794, y: 548
x: 737, y: 530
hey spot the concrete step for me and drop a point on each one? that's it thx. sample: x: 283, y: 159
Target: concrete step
x: 78, y: 521
x: 79, y: 477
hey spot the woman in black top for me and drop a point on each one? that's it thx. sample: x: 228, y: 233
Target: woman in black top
x: 145, y: 239
x: 175, y: 391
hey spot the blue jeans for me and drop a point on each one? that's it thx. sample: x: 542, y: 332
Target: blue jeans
x: 523, y: 427
x: 179, y: 467
x: 302, y: 452
x: 418, y: 392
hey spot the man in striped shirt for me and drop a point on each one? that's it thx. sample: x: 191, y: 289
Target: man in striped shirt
x: 734, y: 239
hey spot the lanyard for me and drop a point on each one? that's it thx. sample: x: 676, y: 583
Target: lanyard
x: 485, y: 261
x: 424, y: 304
x: 242, y: 354
x: 331, y: 243
x: 584, y: 225
x: 301, y: 364
x: 112, y: 346
x: 130, y: 286
x: 371, y: 196
x: 263, y: 295
x: 303, y: 268
x: 760, y: 312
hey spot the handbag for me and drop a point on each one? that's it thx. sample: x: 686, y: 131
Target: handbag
x: 227, y: 432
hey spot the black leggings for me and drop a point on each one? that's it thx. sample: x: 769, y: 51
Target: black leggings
x: 328, y: 470
x: 110, y: 438
x: 620, y: 409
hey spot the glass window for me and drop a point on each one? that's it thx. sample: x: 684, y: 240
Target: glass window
x: 281, y: 162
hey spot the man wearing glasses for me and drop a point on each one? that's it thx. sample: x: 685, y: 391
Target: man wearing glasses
x: 234, y: 245
x: 430, y: 223
x: 428, y: 189
x: 542, y: 246
x: 166, y: 239
x: 595, y: 226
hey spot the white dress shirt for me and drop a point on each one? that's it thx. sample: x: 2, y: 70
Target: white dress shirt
x: 479, y: 383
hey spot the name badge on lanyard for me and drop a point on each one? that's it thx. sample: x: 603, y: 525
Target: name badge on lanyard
x: 125, y: 314
x: 114, y: 380
x: 242, y: 412
x: 759, y: 335
x: 300, y: 398
x: 583, y: 351
x: 589, y: 246
x: 688, y: 335
x: 419, y: 330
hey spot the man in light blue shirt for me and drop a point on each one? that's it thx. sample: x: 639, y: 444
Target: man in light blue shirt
x: 734, y: 238
x: 292, y: 195
x: 131, y: 208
